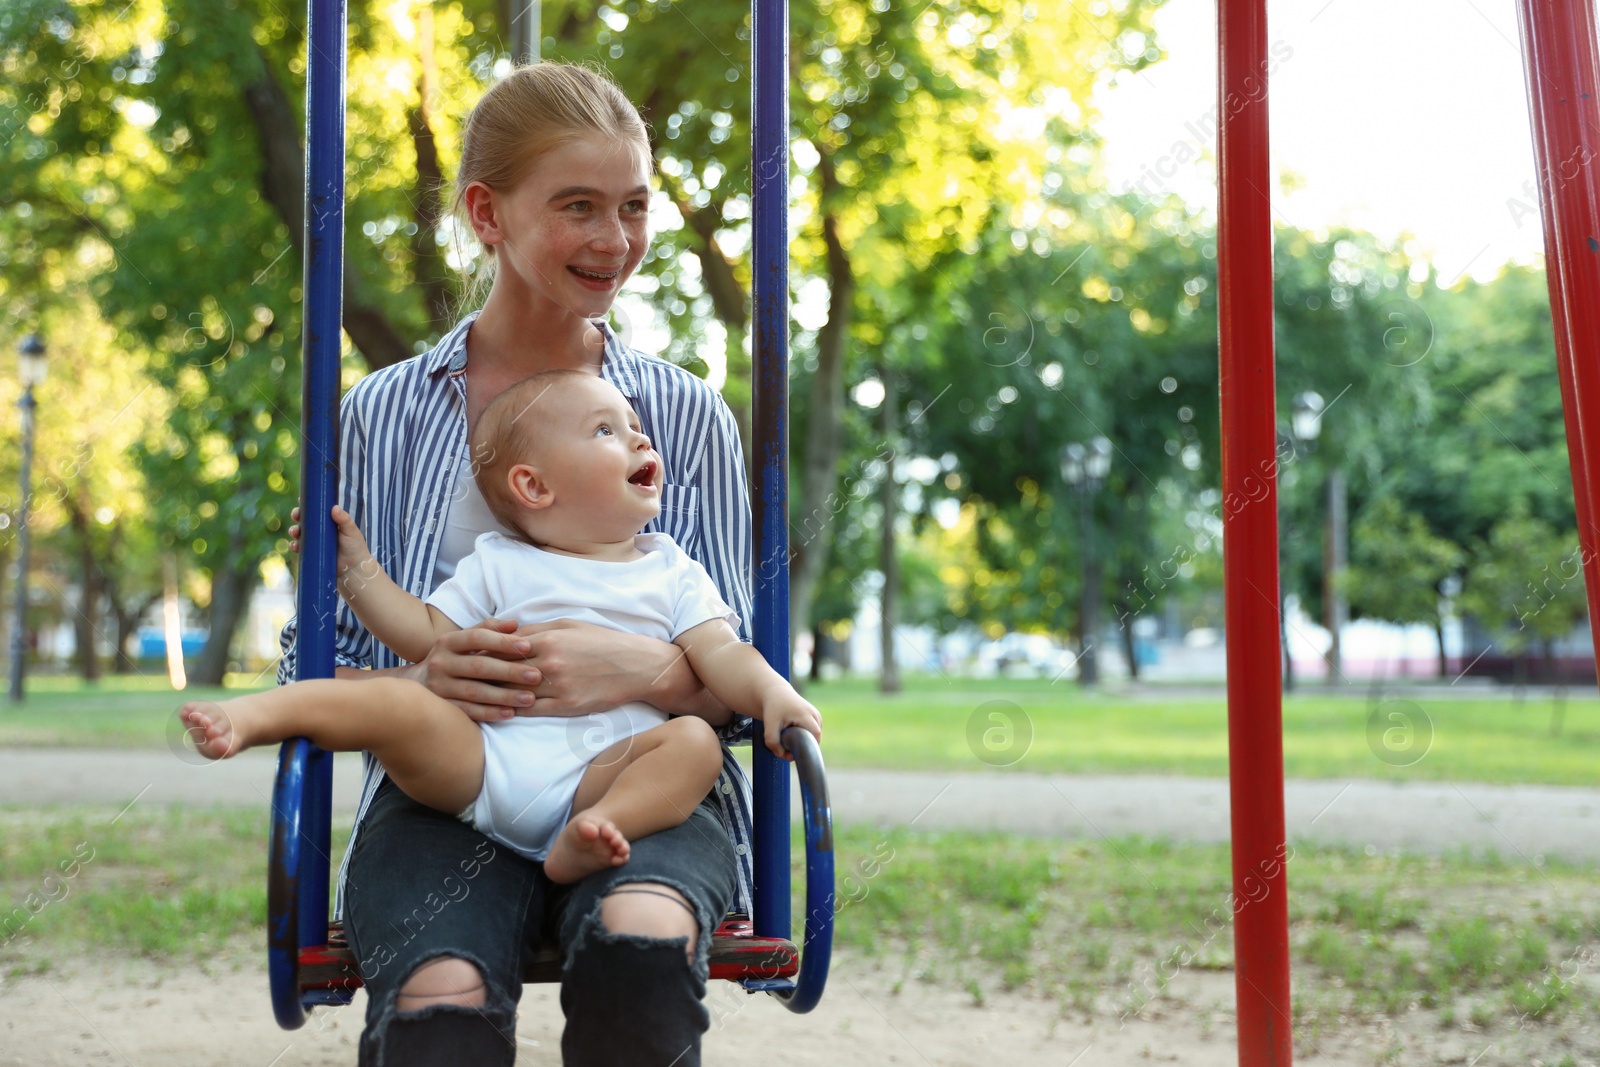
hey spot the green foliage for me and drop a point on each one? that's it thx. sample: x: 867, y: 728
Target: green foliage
x: 1399, y: 565
x: 945, y: 185
x: 1526, y: 582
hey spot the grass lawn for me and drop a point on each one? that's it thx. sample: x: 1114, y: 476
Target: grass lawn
x: 940, y: 725
x: 1026, y: 725
x: 1099, y: 928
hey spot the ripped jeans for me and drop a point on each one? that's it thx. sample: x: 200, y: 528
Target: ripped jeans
x: 424, y: 884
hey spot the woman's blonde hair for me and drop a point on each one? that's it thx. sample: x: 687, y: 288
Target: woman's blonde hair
x: 526, y: 114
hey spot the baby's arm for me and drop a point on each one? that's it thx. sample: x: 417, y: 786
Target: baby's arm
x: 395, y: 617
x: 741, y: 678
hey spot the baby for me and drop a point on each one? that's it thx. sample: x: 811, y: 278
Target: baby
x: 578, y: 481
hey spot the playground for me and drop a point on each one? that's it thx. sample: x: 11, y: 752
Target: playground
x: 1433, y: 920
x: 467, y: 453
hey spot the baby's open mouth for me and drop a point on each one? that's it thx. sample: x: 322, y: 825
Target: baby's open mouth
x: 645, y: 475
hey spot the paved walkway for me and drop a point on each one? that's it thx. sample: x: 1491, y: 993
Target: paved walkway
x: 1529, y: 821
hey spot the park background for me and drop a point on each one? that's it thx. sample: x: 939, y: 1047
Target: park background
x: 1003, y: 254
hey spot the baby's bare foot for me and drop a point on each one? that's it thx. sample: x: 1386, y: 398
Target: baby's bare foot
x: 587, y: 844
x: 210, y: 729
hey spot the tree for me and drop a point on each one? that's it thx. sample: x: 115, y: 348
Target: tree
x: 1399, y: 567
x: 1526, y: 586
x: 902, y: 146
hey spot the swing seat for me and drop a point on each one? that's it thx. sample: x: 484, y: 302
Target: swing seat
x: 737, y: 955
x: 304, y: 972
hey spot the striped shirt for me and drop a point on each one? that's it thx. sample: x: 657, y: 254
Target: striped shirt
x: 402, y: 439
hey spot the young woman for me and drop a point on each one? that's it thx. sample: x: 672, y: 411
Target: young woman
x: 554, y: 183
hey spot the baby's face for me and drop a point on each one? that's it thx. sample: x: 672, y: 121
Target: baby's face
x: 598, y: 462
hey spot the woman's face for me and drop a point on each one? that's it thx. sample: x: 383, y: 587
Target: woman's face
x: 572, y: 231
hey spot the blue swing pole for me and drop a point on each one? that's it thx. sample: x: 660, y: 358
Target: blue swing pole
x: 297, y: 886
x: 769, y: 158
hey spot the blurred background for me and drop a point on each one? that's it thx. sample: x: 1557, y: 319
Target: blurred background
x: 1005, y: 509
x: 1004, y: 357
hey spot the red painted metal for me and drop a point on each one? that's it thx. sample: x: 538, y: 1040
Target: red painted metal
x: 735, y: 954
x: 1250, y: 537
x: 1559, y: 61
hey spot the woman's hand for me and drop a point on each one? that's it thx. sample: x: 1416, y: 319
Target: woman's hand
x: 482, y: 670
x: 588, y: 668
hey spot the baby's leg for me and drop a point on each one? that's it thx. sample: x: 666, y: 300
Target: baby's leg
x: 430, y: 747
x: 648, y: 782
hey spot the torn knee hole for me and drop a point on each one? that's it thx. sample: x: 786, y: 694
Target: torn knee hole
x: 442, y: 980
x: 630, y: 909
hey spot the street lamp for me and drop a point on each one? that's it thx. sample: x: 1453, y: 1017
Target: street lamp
x: 1084, y: 467
x: 30, y: 372
x: 1307, y: 418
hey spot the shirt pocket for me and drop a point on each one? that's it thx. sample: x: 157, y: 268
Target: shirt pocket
x: 680, y: 516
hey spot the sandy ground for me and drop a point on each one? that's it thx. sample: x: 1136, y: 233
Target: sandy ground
x: 84, y: 1012
x: 121, y: 1011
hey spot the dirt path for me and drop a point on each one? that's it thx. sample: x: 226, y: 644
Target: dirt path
x: 1428, y: 817
x: 84, y: 1013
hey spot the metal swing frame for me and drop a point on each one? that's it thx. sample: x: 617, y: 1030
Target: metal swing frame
x: 1562, y: 68
x: 309, y: 961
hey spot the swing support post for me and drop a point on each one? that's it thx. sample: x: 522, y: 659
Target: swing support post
x: 1250, y: 538
x: 297, y: 884
x: 1559, y: 62
x: 310, y: 962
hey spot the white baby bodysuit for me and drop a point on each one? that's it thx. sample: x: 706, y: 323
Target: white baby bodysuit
x: 532, y: 764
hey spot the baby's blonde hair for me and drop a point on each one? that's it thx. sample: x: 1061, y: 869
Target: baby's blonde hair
x: 527, y: 113
x: 509, y: 431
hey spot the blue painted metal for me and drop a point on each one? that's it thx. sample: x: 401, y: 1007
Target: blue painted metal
x: 802, y: 993
x: 297, y: 913
x: 283, y: 887
x: 299, y: 861
x: 769, y: 158
x: 777, y: 986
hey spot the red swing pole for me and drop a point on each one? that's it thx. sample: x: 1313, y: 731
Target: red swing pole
x: 1559, y: 62
x: 1250, y: 537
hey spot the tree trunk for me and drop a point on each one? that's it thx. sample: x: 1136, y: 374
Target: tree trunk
x: 888, y: 558
x: 278, y: 131
x: 817, y: 638
x: 1129, y: 645
x: 127, y: 618
x: 8, y: 609
x: 825, y: 415
x: 427, y: 265
x: 1438, y: 632
x: 1283, y: 636
x: 231, y: 590
x: 91, y: 587
x: 729, y: 301
x: 1334, y: 552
